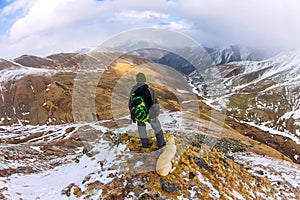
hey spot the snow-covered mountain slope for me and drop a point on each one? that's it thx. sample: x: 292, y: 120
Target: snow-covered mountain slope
x: 235, y: 53
x: 113, y: 165
x: 218, y: 55
x: 283, y: 68
x: 278, y: 77
x: 193, y: 61
x: 4, y: 64
x: 18, y: 72
x: 265, y: 94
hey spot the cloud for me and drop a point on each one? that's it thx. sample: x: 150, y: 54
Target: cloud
x: 150, y: 18
x: 42, y: 27
x: 11, y: 12
x: 15, y: 6
x: 63, y: 25
x: 47, y: 15
x: 134, y: 16
x: 180, y: 25
x: 268, y: 23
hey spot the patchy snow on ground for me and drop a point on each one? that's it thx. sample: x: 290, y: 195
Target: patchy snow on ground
x: 275, y: 132
x: 107, y: 159
x: 51, y: 132
x: 294, y: 114
x: 215, y: 193
x: 279, y: 172
x: 48, y: 184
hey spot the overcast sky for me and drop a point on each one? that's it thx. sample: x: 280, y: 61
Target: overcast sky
x: 44, y: 27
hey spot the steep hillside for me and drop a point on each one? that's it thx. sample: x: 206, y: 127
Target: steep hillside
x: 266, y: 95
x: 42, y: 94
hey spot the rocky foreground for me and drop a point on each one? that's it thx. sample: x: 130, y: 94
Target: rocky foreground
x: 110, y: 163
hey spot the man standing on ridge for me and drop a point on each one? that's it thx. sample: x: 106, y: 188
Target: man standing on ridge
x: 144, y: 107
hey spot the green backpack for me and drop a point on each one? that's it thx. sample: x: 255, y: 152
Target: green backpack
x: 140, y: 103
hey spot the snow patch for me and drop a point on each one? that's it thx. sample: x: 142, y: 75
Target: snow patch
x: 20, y: 72
x: 277, y: 170
x: 237, y: 195
x: 25, y: 113
x: 275, y: 132
x: 215, y: 193
x: 48, y: 184
x: 138, y: 164
x: 183, y: 91
x: 292, y: 114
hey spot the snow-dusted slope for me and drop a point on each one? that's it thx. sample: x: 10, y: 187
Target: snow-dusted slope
x: 265, y: 94
x: 4, y: 64
x: 235, y: 53
x: 18, y: 72
x: 282, y: 68
x: 112, y: 168
x: 278, y: 76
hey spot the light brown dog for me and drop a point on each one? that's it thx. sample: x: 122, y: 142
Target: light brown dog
x: 164, y: 162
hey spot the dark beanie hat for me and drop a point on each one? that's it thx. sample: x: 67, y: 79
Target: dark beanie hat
x: 140, y: 77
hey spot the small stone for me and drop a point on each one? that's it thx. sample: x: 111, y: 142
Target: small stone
x: 260, y: 172
x: 169, y: 187
x: 191, y: 175
x: 202, y: 164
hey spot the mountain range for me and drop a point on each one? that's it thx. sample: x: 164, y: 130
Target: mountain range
x: 217, y: 55
x: 264, y: 94
x: 66, y: 115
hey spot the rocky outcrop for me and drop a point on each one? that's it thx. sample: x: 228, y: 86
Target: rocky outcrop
x: 198, y: 174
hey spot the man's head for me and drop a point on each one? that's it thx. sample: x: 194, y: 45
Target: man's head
x: 140, y: 77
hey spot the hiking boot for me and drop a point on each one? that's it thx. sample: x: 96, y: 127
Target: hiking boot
x: 162, y: 145
x: 160, y: 139
x: 145, y: 142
